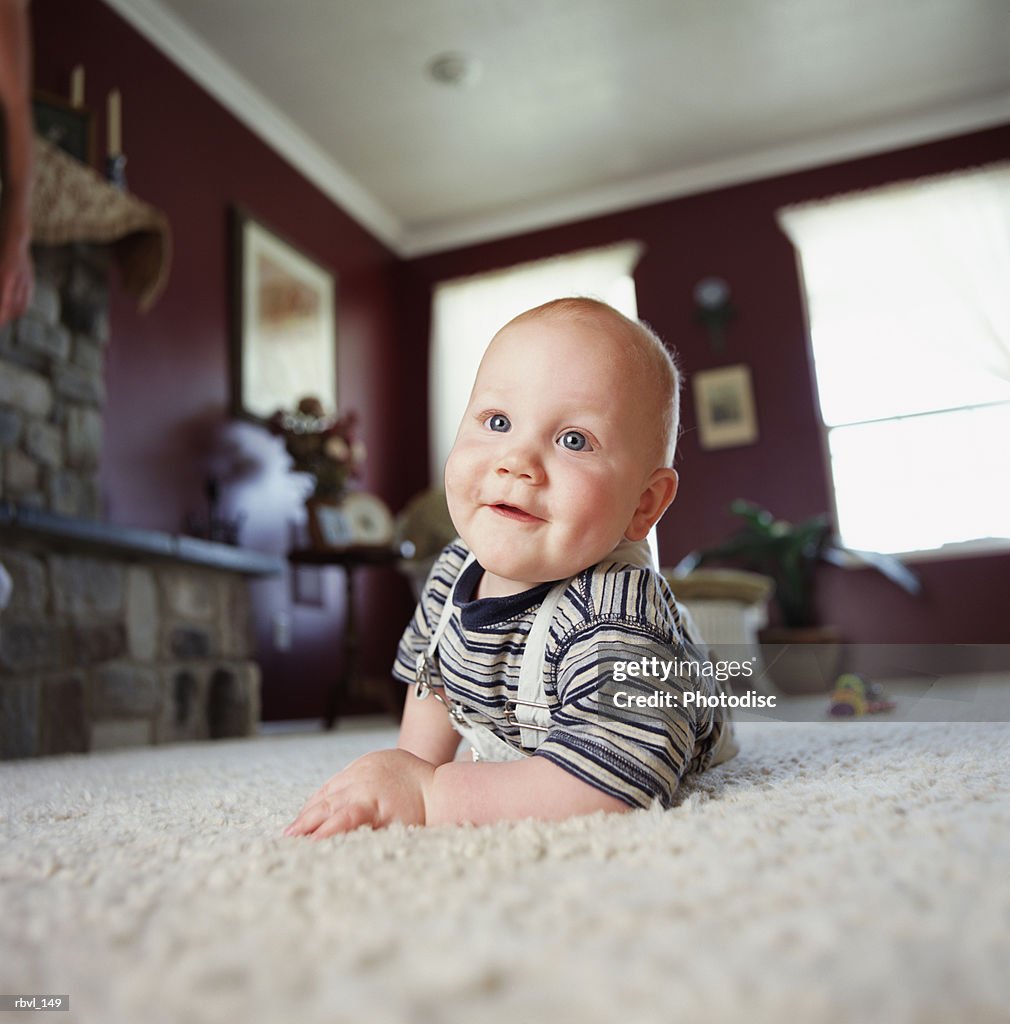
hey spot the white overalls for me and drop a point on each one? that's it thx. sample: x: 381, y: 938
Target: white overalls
x: 529, y: 709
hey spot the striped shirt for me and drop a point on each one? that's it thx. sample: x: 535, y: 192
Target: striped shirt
x: 611, y: 615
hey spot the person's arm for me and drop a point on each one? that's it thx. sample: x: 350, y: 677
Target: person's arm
x: 485, y: 791
x: 391, y: 786
x: 391, y: 782
x: 16, y: 277
x: 425, y: 730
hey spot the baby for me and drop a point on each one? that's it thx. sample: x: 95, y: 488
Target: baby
x: 561, y: 467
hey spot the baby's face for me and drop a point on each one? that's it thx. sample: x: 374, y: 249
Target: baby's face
x: 552, y: 455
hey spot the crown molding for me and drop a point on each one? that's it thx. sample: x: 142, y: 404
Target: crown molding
x: 203, y: 64
x: 210, y: 70
x: 746, y: 167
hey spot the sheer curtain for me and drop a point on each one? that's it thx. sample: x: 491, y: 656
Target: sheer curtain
x: 943, y: 242
x: 908, y: 298
x: 467, y: 312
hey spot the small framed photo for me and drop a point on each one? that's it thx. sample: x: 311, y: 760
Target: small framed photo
x: 329, y: 525
x: 66, y: 127
x: 724, y: 406
x: 284, y: 333
x: 358, y: 520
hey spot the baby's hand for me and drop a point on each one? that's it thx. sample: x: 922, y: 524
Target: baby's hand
x: 376, y: 790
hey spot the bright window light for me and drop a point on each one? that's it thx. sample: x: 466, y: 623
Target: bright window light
x: 922, y: 482
x: 909, y: 311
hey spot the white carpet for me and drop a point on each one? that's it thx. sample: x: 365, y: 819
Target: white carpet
x: 843, y: 871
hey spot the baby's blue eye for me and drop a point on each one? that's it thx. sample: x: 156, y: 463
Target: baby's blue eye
x: 575, y: 441
x: 499, y: 423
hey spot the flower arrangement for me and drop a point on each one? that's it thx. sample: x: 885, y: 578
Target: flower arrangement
x: 321, y: 445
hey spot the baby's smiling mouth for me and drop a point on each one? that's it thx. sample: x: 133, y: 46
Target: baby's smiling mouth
x: 514, y: 512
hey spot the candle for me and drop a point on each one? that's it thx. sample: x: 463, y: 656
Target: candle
x: 114, y: 124
x: 77, y: 86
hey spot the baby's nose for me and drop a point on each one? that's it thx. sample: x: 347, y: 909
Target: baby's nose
x: 523, y: 461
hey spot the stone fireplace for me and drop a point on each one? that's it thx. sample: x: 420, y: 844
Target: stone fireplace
x: 113, y: 636
x: 51, y: 384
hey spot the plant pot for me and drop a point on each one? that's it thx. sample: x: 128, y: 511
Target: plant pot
x: 802, y: 660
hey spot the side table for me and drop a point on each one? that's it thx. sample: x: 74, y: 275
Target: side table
x: 350, y: 559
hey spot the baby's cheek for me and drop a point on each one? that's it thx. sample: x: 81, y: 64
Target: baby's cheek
x: 585, y: 492
x: 456, y: 477
x: 452, y: 474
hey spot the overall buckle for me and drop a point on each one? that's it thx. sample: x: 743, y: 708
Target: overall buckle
x: 424, y: 688
x: 510, y: 713
x: 422, y: 676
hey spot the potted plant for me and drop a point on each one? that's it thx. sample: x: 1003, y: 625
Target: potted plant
x: 790, y: 554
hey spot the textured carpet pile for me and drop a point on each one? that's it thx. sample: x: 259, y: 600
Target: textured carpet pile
x: 833, y: 872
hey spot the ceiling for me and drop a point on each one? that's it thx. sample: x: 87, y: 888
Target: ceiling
x: 581, y: 106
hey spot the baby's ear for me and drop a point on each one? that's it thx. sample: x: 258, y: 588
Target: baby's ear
x: 655, y: 500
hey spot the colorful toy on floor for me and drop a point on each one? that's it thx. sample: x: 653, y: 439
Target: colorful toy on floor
x: 855, y: 695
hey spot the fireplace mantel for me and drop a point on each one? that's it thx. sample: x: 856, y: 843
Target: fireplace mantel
x: 89, y: 536
x: 120, y: 637
x: 72, y: 203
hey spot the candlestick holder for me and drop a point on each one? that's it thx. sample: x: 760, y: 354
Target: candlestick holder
x: 115, y: 171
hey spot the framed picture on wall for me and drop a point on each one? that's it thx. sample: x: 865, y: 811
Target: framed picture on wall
x: 284, y: 328
x: 329, y: 526
x: 724, y: 407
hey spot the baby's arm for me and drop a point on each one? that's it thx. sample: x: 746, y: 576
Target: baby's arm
x: 396, y: 786
x: 387, y: 785
x: 464, y: 791
x: 420, y: 784
x: 425, y: 730
x: 488, y: 791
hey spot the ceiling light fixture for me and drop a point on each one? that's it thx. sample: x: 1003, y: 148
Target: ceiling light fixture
x: 454, y: 68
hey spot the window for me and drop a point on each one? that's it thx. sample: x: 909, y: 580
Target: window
x: 468, y: 312
x: 908, y: 300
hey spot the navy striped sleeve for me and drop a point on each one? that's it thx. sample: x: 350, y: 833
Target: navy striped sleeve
x: 635, y: 754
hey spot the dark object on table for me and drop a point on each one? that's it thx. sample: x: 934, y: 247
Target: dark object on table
x: 214, y: 526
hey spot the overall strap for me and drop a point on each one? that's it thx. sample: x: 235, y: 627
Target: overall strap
x: 427, y: 657
x: 634, y: 552
x: 531, y: 709
x: 443, y: 619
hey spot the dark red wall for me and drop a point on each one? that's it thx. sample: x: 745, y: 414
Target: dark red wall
x: 167, y: 372
x: 732, y: 233
x: 166, y: 419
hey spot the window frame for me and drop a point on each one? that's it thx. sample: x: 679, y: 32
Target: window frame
x: 979, y: 547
